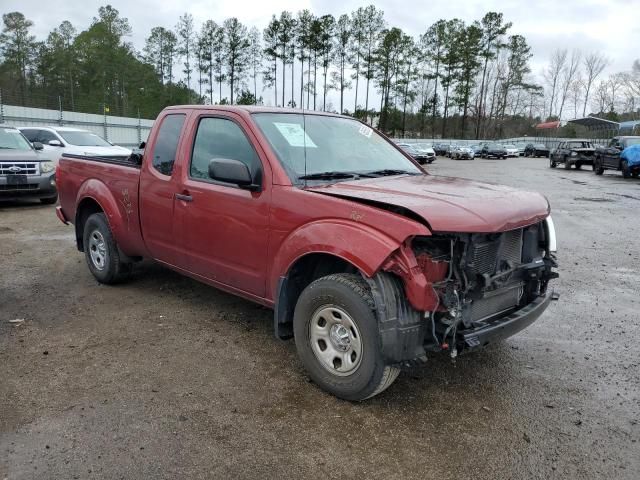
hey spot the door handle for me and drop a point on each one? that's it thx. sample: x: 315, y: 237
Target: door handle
x: 184, y: 197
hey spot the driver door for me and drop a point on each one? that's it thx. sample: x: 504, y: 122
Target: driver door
x: 226, y: 227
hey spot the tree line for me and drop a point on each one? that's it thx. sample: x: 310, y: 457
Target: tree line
x: 457, y: 79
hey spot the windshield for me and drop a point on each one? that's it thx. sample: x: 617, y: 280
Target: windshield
x: 332, y: 144
x: 83, y: 139
x: 12, y: 139
x: 509, y: 146
x: 540, y: 145
x: 497, y: 145
x: 423, y: 146
x: 579, y: 145
x: 631, y: 141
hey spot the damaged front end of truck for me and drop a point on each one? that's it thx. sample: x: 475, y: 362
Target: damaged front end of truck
x: 457, y: 292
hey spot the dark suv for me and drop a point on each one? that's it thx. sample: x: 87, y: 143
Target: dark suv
x: 574, y: 152
x: 609, y: 157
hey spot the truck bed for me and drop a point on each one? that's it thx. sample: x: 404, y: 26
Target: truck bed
x: 114, y: 179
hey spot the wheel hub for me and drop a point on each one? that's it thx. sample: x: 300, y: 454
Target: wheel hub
x: 97, y: 250
x: 340, y: 337
x: 335, y: 340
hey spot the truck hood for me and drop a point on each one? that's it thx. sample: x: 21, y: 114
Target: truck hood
x: 447, y: 204
x: 583, y: 150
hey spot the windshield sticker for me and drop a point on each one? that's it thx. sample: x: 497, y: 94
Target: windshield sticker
x: 366, y: 131
x: 295, y: 135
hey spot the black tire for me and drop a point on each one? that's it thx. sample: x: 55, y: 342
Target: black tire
x: 626, y: 171
x: 567, y: 164
x: 578, y: 166
x: 351, y: 294
x: 114, y: 270
x: 635, y: 174
x: 598, y: 169
x: 552, y: 163
x: 49, y: 200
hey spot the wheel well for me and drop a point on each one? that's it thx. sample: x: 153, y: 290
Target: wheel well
x: 305, y: 270
x: 86, y: 208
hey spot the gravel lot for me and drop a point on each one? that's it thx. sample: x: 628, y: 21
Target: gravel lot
x: 167, y: 378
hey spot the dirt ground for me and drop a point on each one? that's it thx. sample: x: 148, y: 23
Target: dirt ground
x: 166, y: 378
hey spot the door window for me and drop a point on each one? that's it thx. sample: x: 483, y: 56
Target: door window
x: 220, y: 138
x: 166, y: 144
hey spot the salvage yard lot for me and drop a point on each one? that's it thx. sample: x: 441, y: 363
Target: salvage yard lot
x: 163, y: 377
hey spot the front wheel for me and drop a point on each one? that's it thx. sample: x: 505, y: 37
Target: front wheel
x: 598, y: 169
x: 101, y: 251
x: 337, y: 338
x: 567, y: 164
x: 626, y: 171
x: 552, y: 163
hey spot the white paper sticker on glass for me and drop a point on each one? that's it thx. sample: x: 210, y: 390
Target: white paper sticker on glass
x: 366, y: 131
x: 295, y: 135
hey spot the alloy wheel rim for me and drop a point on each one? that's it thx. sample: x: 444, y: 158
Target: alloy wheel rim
x: 335, y: 340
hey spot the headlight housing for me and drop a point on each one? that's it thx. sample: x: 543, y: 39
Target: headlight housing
x: 47, y: 167
x: 574, y: 154
x: 552, y: 243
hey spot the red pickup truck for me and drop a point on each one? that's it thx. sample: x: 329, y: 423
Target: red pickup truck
x: 366, y: 259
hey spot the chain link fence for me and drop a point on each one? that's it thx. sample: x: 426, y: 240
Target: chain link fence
x: 42, y: 111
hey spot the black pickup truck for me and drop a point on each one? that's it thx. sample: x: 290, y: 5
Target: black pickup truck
x: 608, y: 158
x: 573, y: 152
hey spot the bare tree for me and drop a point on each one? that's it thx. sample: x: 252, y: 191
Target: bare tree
x: 594, y: 63
x: 552, y: 75
x: 567, y: 78
x: 632, y: 80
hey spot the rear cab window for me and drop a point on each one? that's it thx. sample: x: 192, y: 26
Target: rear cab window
x: 163, y: 156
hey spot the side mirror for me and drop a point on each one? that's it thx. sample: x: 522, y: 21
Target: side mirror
x: 38, y: 146
x: 232, y: 171
x: 136, y: 157
x: 55, y: 143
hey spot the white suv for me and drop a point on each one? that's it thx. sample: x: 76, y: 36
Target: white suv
x: 59, y: 140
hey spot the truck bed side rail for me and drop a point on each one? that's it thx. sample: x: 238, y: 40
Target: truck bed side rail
x: 132, y: 160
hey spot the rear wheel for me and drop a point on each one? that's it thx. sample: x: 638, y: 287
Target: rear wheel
x: 578, y: 166
x: 101, y: 251
x: 626, y: 172
x: 337, y: 338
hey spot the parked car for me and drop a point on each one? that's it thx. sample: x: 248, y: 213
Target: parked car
x: 494, y: 150
x: 441, y: 149
x: 536, y: 150
x: 367, y: 261
x: 59, y: 140
x: 477, y: 149
x: 521, y: 147
x: 512, y: 150
x: 610, y: 158
x: 573, y: 152
x: 428, y: 150
x: 450, y: 150
x: 418, y: 155
x: 462, y: 153
x: 24, y: 173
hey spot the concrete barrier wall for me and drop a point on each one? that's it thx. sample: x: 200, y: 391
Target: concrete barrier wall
x: 124, y: 131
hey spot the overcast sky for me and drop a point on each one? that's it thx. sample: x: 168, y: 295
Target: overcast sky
x: 609, y: 26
